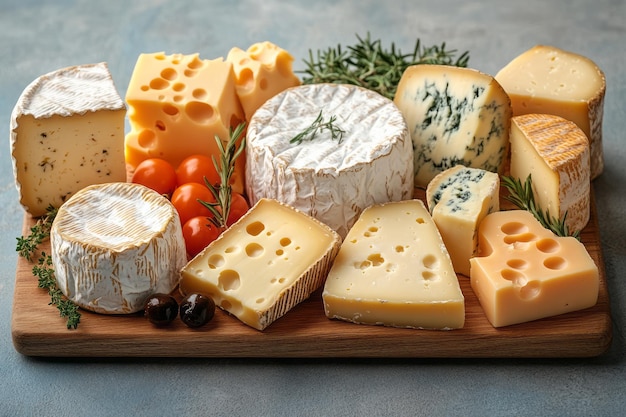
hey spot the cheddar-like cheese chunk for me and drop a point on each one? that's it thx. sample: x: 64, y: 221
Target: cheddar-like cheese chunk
x: 555, y: 152
x: 545, y: 79
x: 394, y: 270
x: 525, y: 272
x: 177, y: 105
x: 261, y: 72
x: 273, y: 258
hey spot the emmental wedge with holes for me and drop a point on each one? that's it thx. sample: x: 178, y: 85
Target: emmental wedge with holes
x: 525, y: 272
x: 273, y: 258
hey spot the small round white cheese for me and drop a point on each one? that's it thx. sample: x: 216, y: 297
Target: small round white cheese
x: 115, y: 244
x: 330, y: 179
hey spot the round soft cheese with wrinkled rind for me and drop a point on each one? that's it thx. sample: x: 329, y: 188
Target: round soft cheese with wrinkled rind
x: 330, y: 179
x: 115, y: 244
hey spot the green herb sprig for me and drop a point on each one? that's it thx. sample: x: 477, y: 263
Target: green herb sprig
x: 369, y: 65
x: 521, y: 195
x: 27, y: 245
x: 318, y: 126
x: 222, y: 192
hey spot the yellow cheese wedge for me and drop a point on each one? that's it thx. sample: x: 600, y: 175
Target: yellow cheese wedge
x: 273, y: 258
x: 261, y: 72
x: 394, y: 270
x: 545, y: 79
x: 525, y: 272
x: 177, y: 105
x: 555, y: 152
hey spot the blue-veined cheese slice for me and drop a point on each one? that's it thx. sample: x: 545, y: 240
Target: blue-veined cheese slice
x: 458, y: 199
x: 456, y: 116
x: 330, y: 179
x: 115, y: 244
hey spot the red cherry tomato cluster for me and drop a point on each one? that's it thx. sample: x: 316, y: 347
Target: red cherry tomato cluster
x: 185, y: 185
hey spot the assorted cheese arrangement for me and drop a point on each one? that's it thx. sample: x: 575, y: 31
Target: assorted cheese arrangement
x: 334, y: 211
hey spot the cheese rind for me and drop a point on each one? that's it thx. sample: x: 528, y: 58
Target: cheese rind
x: 456, y: 116
x: 115, y: 244
x: 549, y: 80
x: 394, y: 270
x: 177, y: 105
x: 67, y: 132
x: 261, y: 72
x: 525, y: 272
x: 555, y: 152
x: 329, y: 179
x: 266, y: 263
x: 458, y: 199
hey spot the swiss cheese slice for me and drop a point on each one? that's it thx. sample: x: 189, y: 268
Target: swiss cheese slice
x: 330, y: 179
x: 115, y: 244
x: 67, y: 132
x: 178, y: 104
x: 261, y: 72
x: 555, y: 153
x: 456, y: 116
x: 266, y: 263
x: 394, y: 270
x: 525, y: 272
x: 458, y: 199
x: 546, y: 79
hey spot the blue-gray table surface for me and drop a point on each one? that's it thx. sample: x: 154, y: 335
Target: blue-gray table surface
x: 38, y: 36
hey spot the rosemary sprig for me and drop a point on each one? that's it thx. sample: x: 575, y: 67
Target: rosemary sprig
x: 223, y: 192
x: 27, y: 245
x: 521, y: 195
x: 369, y: 65
x: 317, y: 126
x: 45, y: 273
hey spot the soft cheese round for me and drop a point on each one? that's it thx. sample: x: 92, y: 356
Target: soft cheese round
x: 330, y: 179
x: 115, y: 244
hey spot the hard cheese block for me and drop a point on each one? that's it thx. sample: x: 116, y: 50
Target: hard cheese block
x: 456, y: 116
x: 261, y: 72
x: 330, y: 179
x: 273, y: 258
x: 555, y: 152
x: 67, y: 132
x: 458, y: 199
x: 545, y: 79
x: 177, y: 105
x: 394, y: 270
x: 115, y: 244
x: 525, y: 272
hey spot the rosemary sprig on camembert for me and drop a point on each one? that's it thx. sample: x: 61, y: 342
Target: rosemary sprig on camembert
x: 318, y: 126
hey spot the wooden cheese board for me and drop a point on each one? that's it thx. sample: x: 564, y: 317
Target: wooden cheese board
x: 305, y: 332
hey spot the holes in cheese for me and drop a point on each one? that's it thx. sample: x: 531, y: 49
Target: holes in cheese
x: 273, y: 258
x: 527, y: 272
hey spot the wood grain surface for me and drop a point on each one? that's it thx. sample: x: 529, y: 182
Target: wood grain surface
x: 305, y: 332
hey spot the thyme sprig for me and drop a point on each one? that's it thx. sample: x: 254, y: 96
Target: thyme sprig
x: 521, y: 195
x: 27, y: 246
x: 369, y: 65
x: 318, y: 126
x: 222, y: 192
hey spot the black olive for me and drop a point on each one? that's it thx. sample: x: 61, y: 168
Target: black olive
x: 197, y: 310
x: 161, y: 309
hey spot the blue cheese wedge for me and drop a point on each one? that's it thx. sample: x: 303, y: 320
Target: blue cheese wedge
x: 332, y: 180
x: 113, y: 245
x: 456, y: 116
x: 459, y: 199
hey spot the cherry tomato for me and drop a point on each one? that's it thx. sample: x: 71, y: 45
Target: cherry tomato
x: 198, y: 232
x: 185, y: 199
x: 238, y: 207
x: 157, y: 174
x: 195, y: 168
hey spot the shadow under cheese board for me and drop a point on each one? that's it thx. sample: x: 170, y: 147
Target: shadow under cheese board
x: 305, y: 332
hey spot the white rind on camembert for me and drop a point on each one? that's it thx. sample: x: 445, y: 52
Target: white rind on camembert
x: 67, y: 132
x: 113, y: 245
x: 330, y: 179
